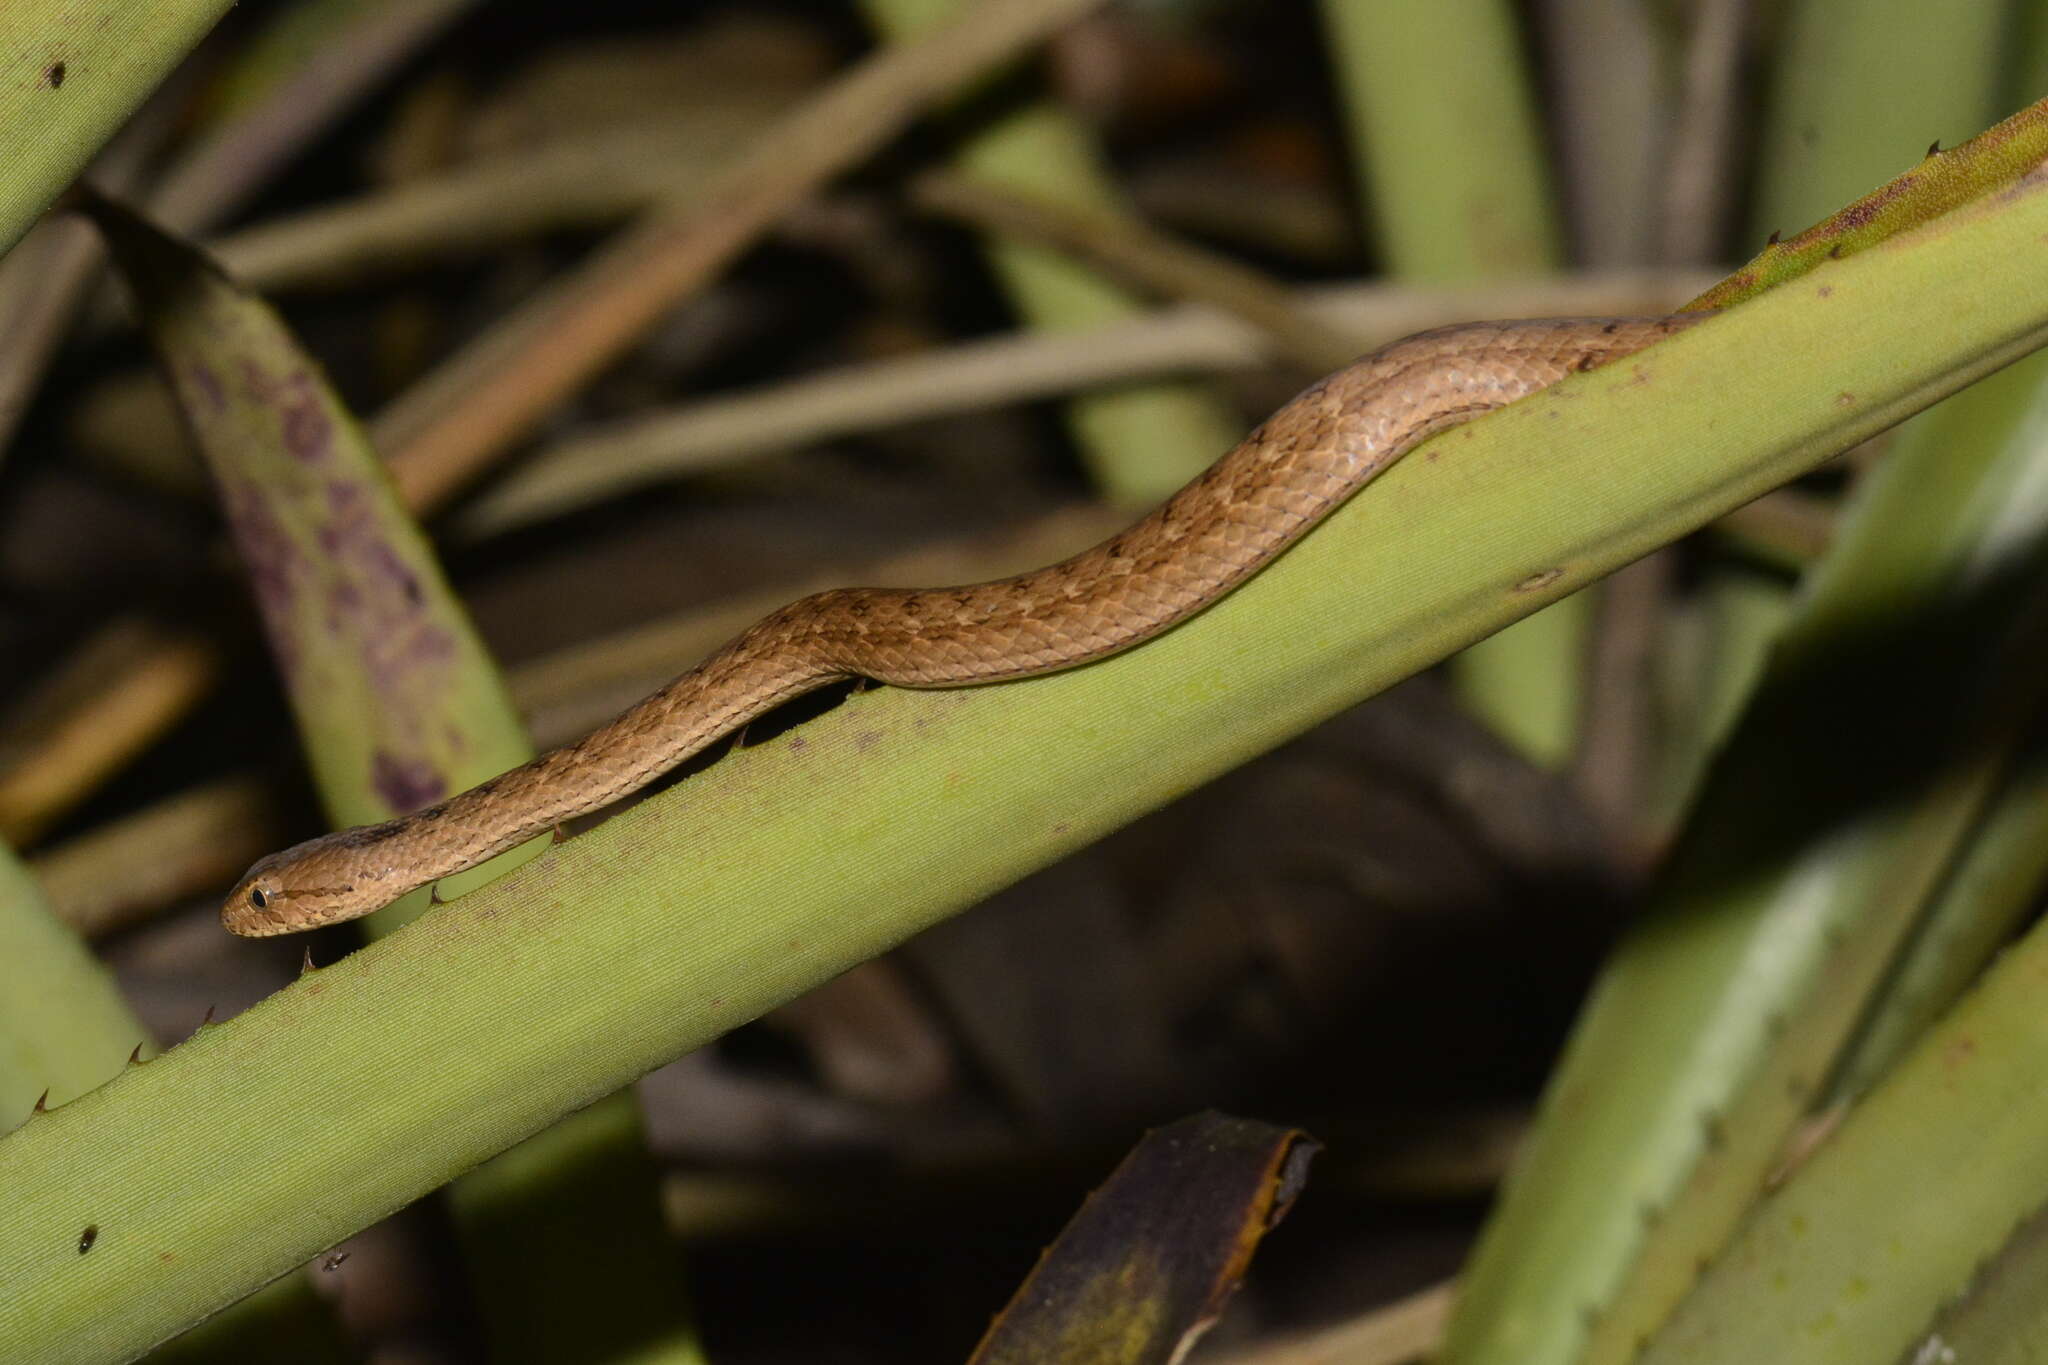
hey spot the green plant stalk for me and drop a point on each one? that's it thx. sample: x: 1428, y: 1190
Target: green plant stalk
x: 1139, y: 442
x: 1986, y: 896
x: 112, y: 54
x: 1611, y: 78
x: 2003, y: 1320
x: 1643, y: 1165
x: 1861, y: 88
x: 1994, y: 883
x: 1849, y: 1261
x: 1446, y: 137
x: 1811, y: 855
x: 1447, y: 141
x: 365, y: 1084
x: 398, y: 703
x: 64, y: 1027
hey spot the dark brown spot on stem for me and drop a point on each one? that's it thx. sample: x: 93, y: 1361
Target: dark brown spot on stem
x: 55, y: 74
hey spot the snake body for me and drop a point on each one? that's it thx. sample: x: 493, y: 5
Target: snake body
x: 1254, y: 502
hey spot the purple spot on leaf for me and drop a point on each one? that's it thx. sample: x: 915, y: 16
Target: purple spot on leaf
x: 405, y: 784
x: 433, y: 645
x: 308, y: 431
x: 208, y: 386
x: 345, y: 500
x: 273, y: 565
x: 256, y: 383
x: 391, y: 567
x: 353, y: 535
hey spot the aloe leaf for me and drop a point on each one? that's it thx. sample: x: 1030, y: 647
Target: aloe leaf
x: 64, y: 1027
x: 1827, y: 823
x: 397, y: 701
x: 2003, y: 1319
x: 398, y: 705
x: 1807, y: 862
x: 1989, y: 890
x: 1925, y: 1180
x: 70, y: 72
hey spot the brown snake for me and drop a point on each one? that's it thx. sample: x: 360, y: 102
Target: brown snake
x: 1261, y: 497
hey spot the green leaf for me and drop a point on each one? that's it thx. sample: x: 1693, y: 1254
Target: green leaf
x: 70, y: 72
x: 64, y: 1027
x: 397, y: 701
x: 399, y: 704
x: 1925, y: 1180
x: 1810, y: 856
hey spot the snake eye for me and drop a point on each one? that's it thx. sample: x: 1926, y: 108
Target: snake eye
x: 257, y: 897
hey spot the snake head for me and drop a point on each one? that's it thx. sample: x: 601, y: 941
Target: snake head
x: 322, y: 881
x: 262, y: 903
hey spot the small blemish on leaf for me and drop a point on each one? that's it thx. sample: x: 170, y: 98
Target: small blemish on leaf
x: 88, y: 1237
x: 54, y: 74
x: 1537, y: 581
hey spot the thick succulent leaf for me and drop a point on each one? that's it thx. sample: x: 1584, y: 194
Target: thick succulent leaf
x: 397, y: 702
